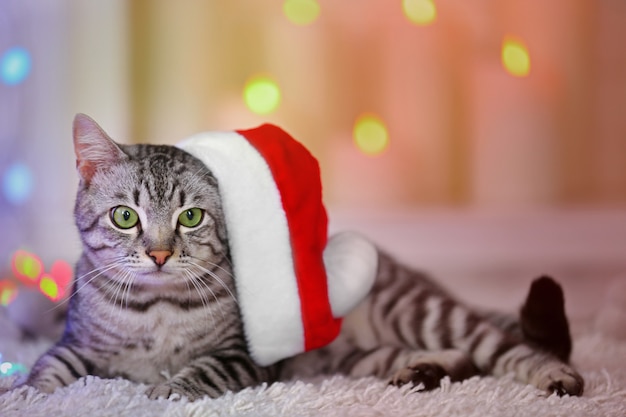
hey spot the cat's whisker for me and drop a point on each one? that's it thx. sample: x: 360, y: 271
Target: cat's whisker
x: 115, y: 261
x: 199, y: 276
x: 119, y: 285
x: 216, y: 278
x: 126, y: 285
x: 215, y: 265
x: 199, y: 283
x: 120, y: 289
x: 101, y: 270
x: 112, y: 311
x: 186, y: 277
x: 128, y: 281
x: 119, y: 261
x: 191, y: 277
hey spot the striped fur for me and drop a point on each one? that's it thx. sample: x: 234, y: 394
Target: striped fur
x: 155, y: 303
x: 409, y: 330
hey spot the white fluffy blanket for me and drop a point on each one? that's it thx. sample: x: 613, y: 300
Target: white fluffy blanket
x: 600, y: 358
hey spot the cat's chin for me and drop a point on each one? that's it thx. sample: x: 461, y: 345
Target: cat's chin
x: 158, y: 278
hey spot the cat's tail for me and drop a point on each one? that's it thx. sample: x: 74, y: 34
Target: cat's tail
x: 543, y: 322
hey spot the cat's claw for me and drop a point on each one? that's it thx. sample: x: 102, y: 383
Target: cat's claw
x: 164, y: 391
x: 173, y: 391
x: 429, y: 375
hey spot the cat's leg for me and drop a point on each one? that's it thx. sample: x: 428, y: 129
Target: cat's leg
x: 397, y: 365
x: 58, y: 367
x: 428, y: 368
x: 212, y: 376
x: 540, y: 356
x: 404, y: 366
x: 405, y: 309
x: 498, y: 353
x: 543, y: 327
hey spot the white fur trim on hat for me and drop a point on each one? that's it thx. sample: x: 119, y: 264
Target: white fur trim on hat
x: 260, y: 241
x: 251, y: 200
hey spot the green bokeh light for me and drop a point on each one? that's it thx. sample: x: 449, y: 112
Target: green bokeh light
x: 262, y: 95
x: 301, y: 12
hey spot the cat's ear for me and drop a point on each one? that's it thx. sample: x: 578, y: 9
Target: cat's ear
x: 93, y: 147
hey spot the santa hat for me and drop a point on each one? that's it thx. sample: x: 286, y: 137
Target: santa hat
x: 293, y: 285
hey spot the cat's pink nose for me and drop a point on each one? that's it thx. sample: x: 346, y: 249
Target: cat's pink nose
x: 160, y: 256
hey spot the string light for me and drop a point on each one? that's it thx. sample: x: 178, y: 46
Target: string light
x: 301, y: 12
x: 62, y: 273
x: 515, y: 57
x: 8, y: 292
x: 420, y: 12
x: 15, y: 65
x: 370, y: 134
x: 29, y: 270
x: 49, y: 287
x: 9, y: 368
x: 27, y: 267
x: 261, y: 95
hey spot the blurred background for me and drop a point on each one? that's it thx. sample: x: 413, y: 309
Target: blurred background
x: 444, y: 107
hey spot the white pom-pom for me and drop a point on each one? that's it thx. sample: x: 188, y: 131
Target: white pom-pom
x: 351, y: 264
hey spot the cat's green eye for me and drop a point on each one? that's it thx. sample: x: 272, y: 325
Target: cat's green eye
x: 124, y: 217
x: 191, y: 217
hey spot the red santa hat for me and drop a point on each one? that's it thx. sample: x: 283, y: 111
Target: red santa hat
x: 293, y: 284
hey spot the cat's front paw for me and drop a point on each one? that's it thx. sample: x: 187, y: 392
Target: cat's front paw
x: 429, y: 375
x: 560, y: 379
x: 42, y: 384
x: 173, y: 391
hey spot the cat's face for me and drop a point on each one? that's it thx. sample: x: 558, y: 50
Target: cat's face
x: 149, y: 214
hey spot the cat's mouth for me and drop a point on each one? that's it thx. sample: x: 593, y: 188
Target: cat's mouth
x: 156, y: 274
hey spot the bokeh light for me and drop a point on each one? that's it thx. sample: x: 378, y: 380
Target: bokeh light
x: 515, y: 57
x: 8, y: 292
x: 15, y: 65
x: 49, y: 287
x: 62, y: 273
x: 370, y: 134
x: 261, y: 95
x: 420, y: 12
x: 17, y: 183
x: 27, y: 267
x: 11, y: 368
x: 301, y: 12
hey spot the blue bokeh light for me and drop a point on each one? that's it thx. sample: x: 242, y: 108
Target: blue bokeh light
x: 15, y: 65
x: 17, y: 183
x: 10, y: 368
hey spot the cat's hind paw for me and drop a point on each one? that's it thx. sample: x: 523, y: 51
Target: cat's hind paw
x: 560, y: 379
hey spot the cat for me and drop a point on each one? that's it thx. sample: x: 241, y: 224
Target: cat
x: 154, y: 299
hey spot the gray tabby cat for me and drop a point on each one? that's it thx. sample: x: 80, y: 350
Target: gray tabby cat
x: 154, y: 298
